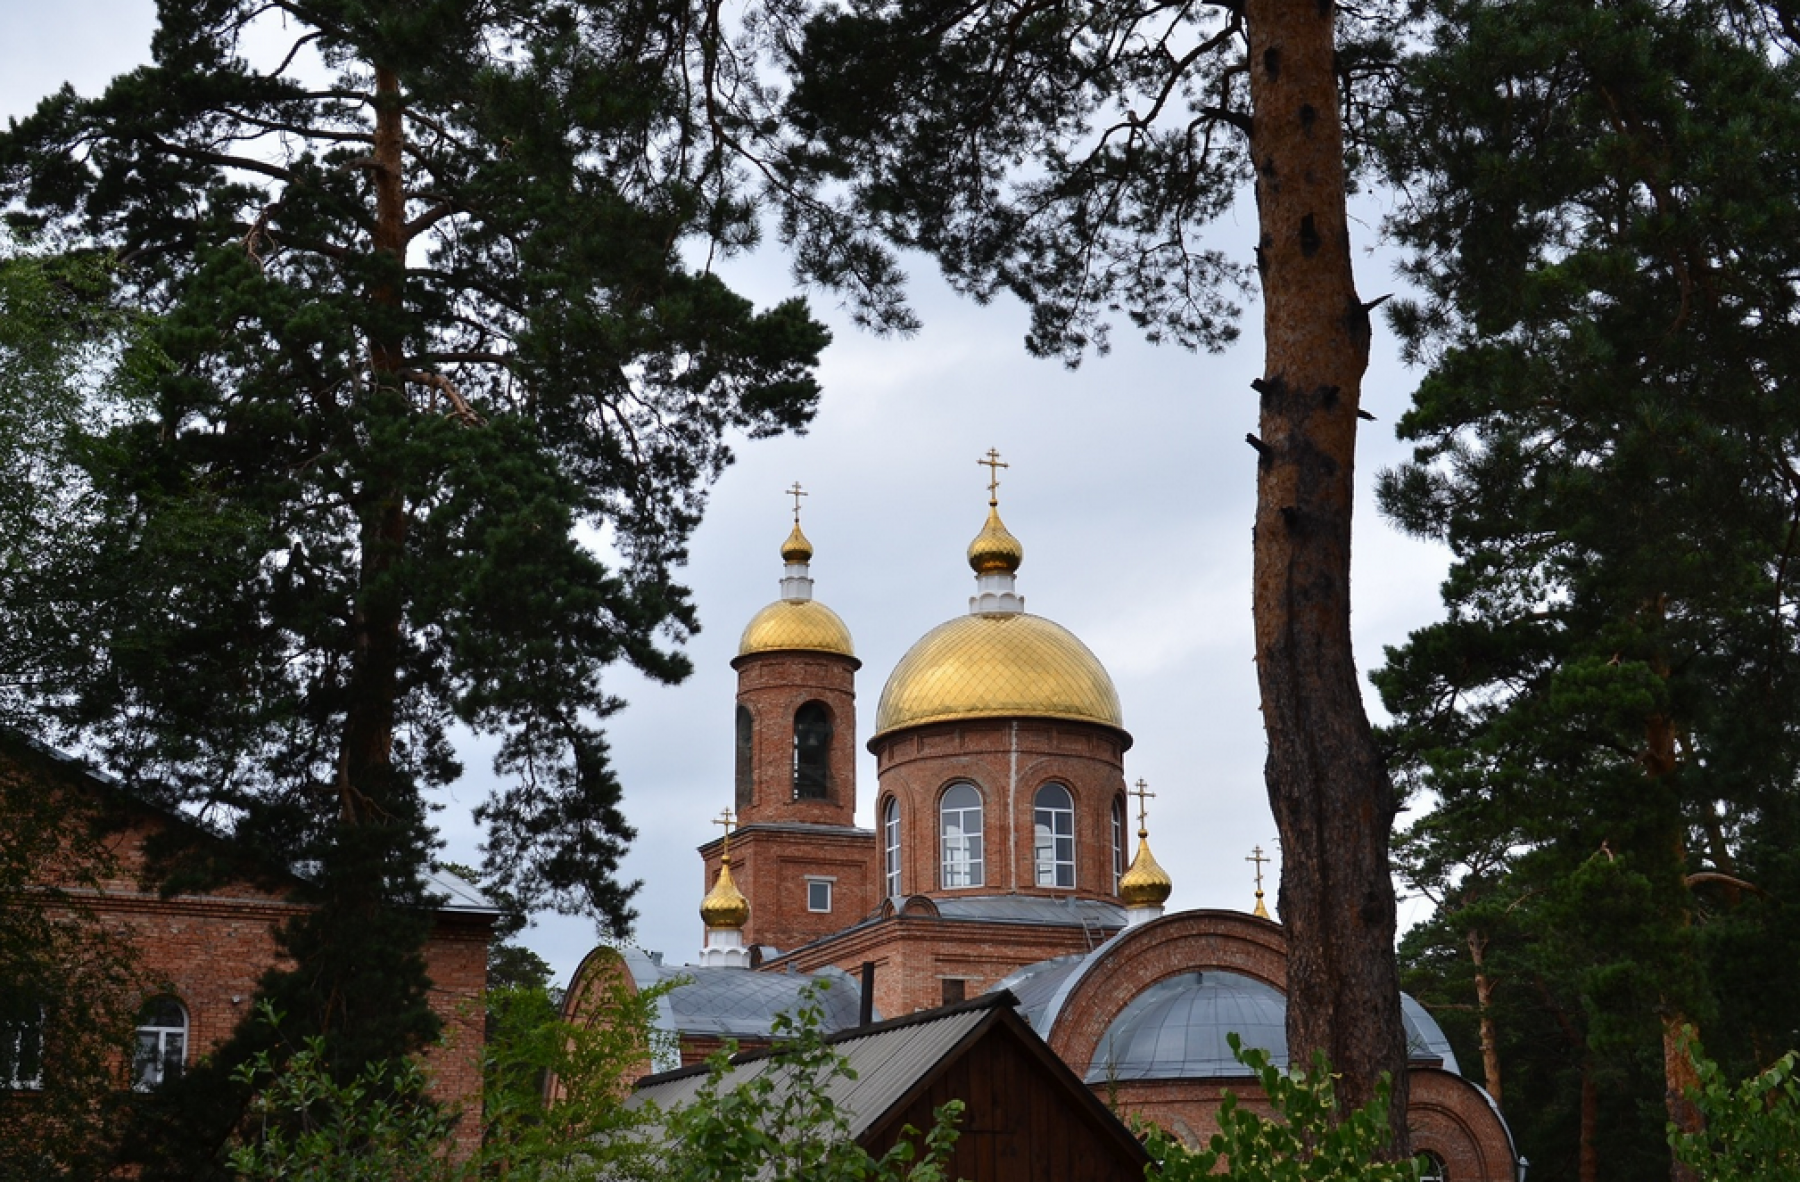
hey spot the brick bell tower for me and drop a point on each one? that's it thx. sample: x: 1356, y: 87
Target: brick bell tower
x: 797, y: 855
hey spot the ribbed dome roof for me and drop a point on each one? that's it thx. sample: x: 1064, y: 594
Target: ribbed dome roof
x: 997, y: 665
x: 796, y: 624
x: 1176, y: 1030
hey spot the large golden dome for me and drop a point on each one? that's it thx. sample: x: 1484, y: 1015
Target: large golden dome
x: 997, y: 665
x: 796, y: 624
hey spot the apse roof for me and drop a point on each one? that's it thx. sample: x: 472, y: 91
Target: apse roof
x: 1178, y: 1028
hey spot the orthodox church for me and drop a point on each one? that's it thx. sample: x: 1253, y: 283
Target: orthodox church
x: 999, y: 861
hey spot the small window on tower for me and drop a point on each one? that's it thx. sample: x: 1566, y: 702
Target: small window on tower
x: 818, y: 894
x: 812, y: 752
x: 1054, y: 840
x: 955, y: 989
x: 746, y: 752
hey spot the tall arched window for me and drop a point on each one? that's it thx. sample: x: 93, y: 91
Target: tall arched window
x: 959, y: 824
x: 812, y: 752
x: 1053, y: 846
x: 1435, y: 1170
x: 1118, y: 842
x: 161, y: 1043
x: 890, y: 841
x: 21, y: 1041
x: 746, y: 754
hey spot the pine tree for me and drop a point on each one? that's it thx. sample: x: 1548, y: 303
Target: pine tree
x: 431, y: 343
x: 1603, y: 226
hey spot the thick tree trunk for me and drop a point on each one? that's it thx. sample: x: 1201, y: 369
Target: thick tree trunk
x: 366, y: 755
x: 1329, y: 789
x: 1679, y: 1077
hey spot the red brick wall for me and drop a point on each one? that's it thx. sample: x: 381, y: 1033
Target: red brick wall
x: 1008, y: 760
x: 914, y: 954
x: 773, y: 686
x: 771, y: 866
x: 209, y: 951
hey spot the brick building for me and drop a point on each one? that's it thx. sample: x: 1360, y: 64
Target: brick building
x: 998, y: 858
x: 203, y: 953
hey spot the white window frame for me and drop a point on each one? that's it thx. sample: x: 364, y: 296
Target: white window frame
x: 890, y: 830
x: 16, y: 1033
x: 160, y: 1045
x: 1118, y: 841
x: 1053, y: 837
x: 960, y: 864
x: 813, y: 884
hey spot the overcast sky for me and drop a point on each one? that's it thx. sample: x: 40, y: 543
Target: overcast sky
x: 1129, y: 484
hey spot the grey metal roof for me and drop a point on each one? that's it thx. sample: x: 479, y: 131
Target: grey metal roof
x: 1424, y: 1037
x: 738, y: 1003
x: 1036, y: 984
x: 884, y: 1065
x: 1177, y: 1029
x: 1032, y: 909
x: 452, y: 892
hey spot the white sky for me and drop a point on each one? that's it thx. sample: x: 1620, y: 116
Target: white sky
x: 1130, y: 487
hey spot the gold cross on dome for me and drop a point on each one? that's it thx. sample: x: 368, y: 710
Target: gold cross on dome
x: 1143, y: 793
x: 1257, y: 858
x: 797, y: 492
x: 725, y: 818
x: 994, y: 463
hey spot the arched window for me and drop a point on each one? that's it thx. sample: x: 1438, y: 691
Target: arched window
x: 812, y: 752
x: 890, y: 840
x: 1118, y: 842
x: 161, y: 1043
x: 21, y: 1041
x: 1053, y: 846
x: 959, y: 824
x: 746, y: 753
x: 1434, y: 1168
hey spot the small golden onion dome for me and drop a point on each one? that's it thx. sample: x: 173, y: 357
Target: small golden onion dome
x: 796, y: 624
x: 1145, y: 884
x: 725, y: 905
x: 995, y: 550
x: 796, y: 548
x: 997, y: 666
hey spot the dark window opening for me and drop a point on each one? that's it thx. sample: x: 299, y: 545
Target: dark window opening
x: 21, y: 1041
x: 955, y: 989
x: 746, y: 753
x: 812, y: 752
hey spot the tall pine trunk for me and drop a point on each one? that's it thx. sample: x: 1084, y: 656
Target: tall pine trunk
x: 1327, y: 784
x: 1484, y: 1010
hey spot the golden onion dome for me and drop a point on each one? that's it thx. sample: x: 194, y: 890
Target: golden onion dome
x: 1002, y: 665
x: 995, y: 550
x: 796, y: 624
x: 796, y: 548
x: 725, y: 905
x: 1145, y: 884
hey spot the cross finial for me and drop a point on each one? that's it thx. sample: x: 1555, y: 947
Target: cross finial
x: 797, y: 492
x: 726, y: 819
x: 1257, y: 859
x: 993, y: 463
x: 1143, y: 793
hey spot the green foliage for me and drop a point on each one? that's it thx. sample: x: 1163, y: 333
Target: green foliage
x: 1309, y: 1140
x: 305, y: 1125
x: 1752, y: 1129
x: 69, y: 986
x: 582, y: 1129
